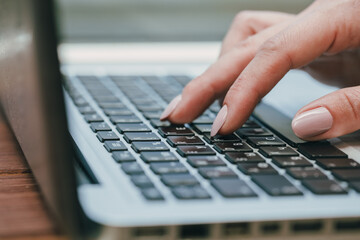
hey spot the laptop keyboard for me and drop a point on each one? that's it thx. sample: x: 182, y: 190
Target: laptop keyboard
x: 242, y: 164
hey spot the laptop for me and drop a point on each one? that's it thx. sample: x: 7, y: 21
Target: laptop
x: 108, y: 168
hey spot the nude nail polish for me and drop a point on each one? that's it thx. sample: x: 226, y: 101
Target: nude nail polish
x: 312, y: 123
x: 219, y: 121
x: 171, y: 107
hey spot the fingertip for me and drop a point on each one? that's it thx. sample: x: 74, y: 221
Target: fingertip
x: 219, y: 121
x: 170, y: 108
x: 312, y: 123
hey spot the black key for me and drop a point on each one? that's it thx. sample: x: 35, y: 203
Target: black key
x: 112, y: 105
x: 80, y: 102
x: 195, y: 150
x: 323, y: 186
x: 265, y: 141
x: 142, y: 181
x: 243, y: 157
x: 175, y: 131
x: 152, y: 115
x: 156, y: 123
x: 85, y: 79
x: 125, y: 119
x: 355, y: 185
x: 217, y: 172
x: 250, y: 124
x: 260, y: 168
x: 123, y: 156
x: 152, y: 194
x: 203, y: 120
x: 276, y: 185
x: 183, y: 80
x: 279, y: 122
x: 184, y: 140
x: 202, y: 128
x: 140, y: 136
x: 158, y: 157
x: 86, y: 110
x: 335, y: 163
x: 205, y: 161
x: 93, y: 118
x: 117, y: 112
x: 315, y: 150
x: 253, y: 132
x: 277, y: 151
x: 168, y: 167
x: 99, y: 126
x: 142, y: 100
x: 106, y: 135
x: 149, y: 146
x: 232, y: 188
x: 114, y: 146
x: 347, y: 174
x: 149, y: 108
x: 291, y: 161
x: 306, y: 173
x: 232, y: 147
x: 99, y: 92
x: 132, y: 127
x: 190, y: 192
x: 184, y: 179
x: 103, y: 99
x: 215, y: 108
x: 124, y: 80
x: 221, y: 138
x: 132, y: 168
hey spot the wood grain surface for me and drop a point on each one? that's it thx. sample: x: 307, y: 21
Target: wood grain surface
x: 23, y: 213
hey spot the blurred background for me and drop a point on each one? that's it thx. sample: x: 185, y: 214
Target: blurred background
x: 157, y: 20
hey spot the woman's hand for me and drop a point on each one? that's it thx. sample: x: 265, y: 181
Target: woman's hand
x: 260, y: 48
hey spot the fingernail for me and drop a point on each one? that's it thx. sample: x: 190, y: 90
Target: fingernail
x: 312, y: 123
x: 219, y: 121
x: 171, y: 107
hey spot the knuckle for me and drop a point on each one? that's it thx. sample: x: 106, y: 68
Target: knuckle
x: 245, y: 44
x: 275, y: 46
x: 244, y: 17
x: 239, y: 87
x: 235, y: 88
x: 189, y: 88
x: 345, y: 30
x: 199, y: 84
x: 351, y: 98
x: 270, y: 46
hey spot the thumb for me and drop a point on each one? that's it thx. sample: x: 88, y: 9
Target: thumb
x: 333, y: 115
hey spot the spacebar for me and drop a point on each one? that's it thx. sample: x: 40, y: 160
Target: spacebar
x: 278, y: 122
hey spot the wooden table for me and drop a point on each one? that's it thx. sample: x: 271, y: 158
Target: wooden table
x: 23, y: 213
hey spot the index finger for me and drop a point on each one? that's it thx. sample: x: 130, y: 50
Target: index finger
x: 293, y: 47
x: 217, y: 79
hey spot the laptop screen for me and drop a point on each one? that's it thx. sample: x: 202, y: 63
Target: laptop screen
x: 31, y: 98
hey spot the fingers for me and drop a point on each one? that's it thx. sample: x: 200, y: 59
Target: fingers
x: 216, y: 80
x: 288, y: 49
x: 248, y: 23
x: 203, y: 90
x: 333, y: 115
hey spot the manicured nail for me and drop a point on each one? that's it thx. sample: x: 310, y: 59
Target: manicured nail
x: 312, y: 123
x: 171, y: 107
x: 219, y: 121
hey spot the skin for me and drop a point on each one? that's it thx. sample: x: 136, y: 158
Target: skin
x: 261, y: 47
